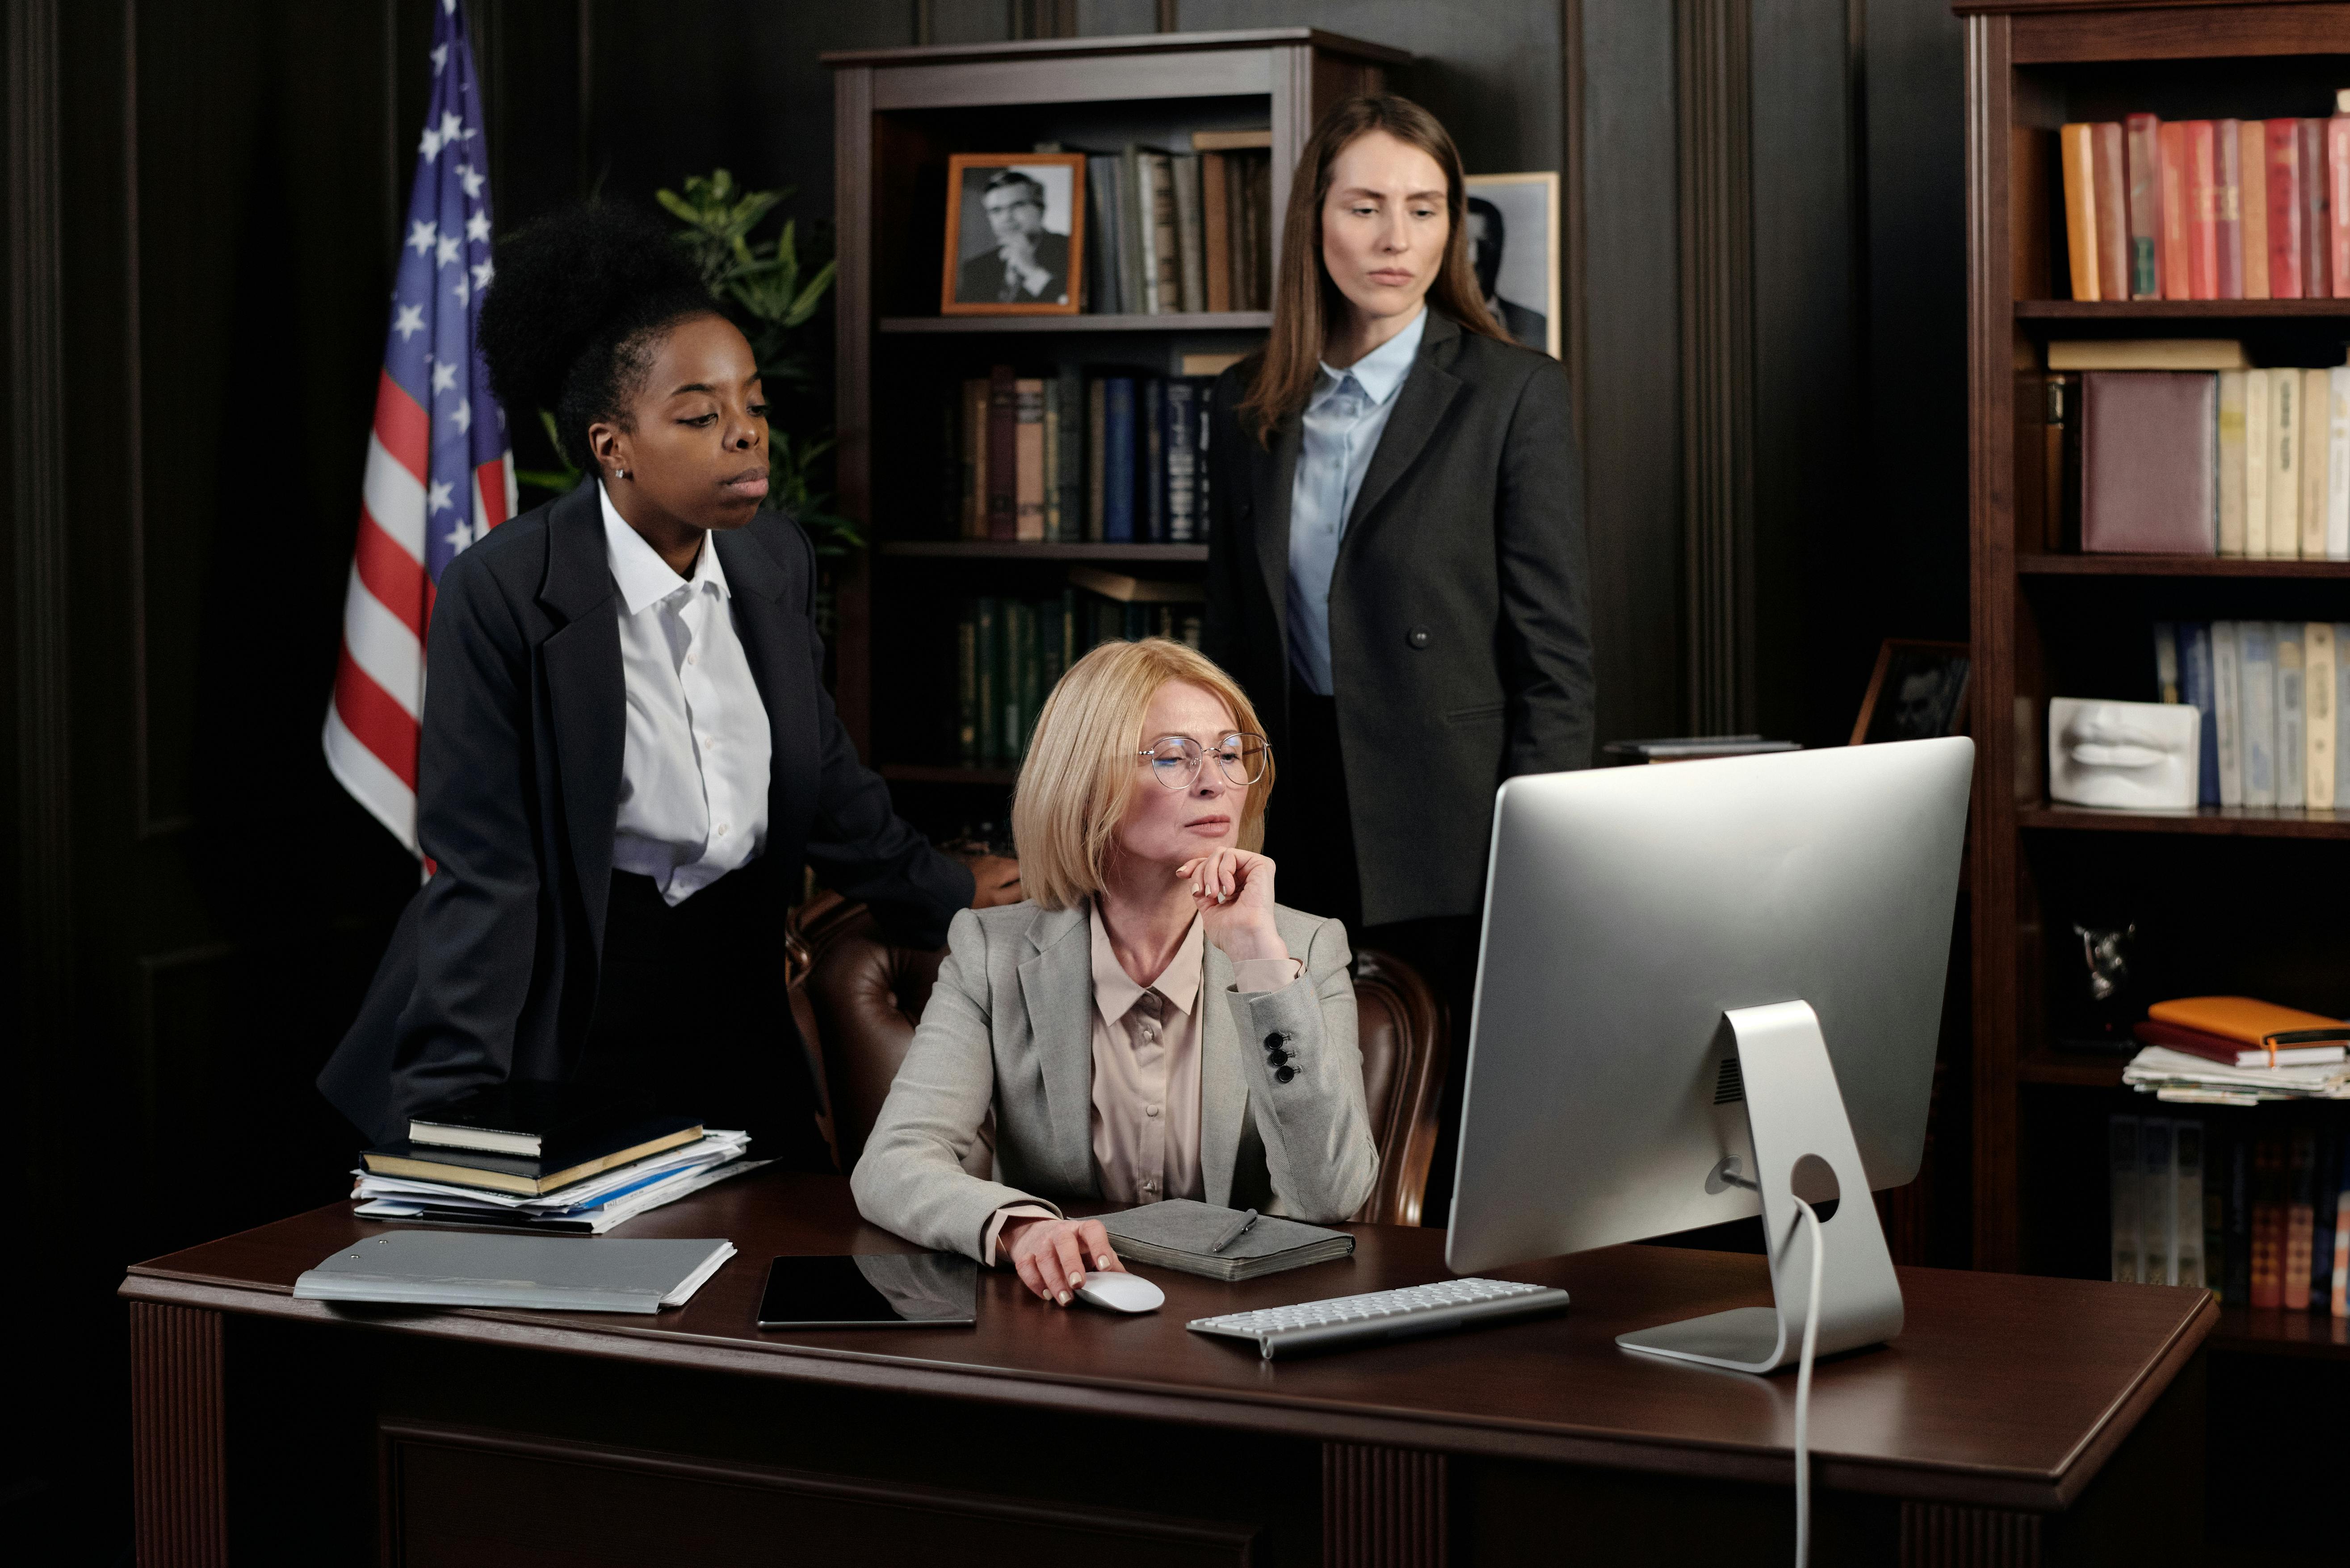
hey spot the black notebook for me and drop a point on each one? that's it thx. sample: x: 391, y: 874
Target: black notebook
x: 1176, y: 1234
x: 540, y: 1120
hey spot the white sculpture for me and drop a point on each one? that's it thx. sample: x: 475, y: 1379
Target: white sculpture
x: 2142, y: 756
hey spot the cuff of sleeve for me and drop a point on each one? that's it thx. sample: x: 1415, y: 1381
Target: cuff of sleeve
x: 996, y: 1223
x: 1266, y: 974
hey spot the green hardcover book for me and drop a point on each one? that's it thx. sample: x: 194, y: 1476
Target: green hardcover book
x: 1109, y: 621
x: 1028, y: 672
x: 1067, y: 612
x: 1019, y: 634
x: 1137, y: 622
x: 1053, y: 650
x: 1097, y: 417
x: 967, y: 685
x: 1068, y: 477
x: 987, y: 617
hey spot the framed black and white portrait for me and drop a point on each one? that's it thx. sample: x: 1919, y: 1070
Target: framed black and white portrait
x: 1513, y: 223
x: 1918, y: 691
x: 1015, y: 233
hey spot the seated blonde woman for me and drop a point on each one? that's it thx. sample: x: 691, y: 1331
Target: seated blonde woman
x: 1150, y: 1024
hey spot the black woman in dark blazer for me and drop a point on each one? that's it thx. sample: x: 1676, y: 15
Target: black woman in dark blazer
x: 628, y: 753
x: 1396, y: 566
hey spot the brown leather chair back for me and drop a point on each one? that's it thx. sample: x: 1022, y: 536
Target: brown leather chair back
x: 859, y: 998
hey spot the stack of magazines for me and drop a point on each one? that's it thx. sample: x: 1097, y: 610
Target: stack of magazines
x: 2238, y: 1051
x: 528, y: 1157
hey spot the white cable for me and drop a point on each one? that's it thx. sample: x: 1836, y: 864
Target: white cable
x: 1804, y: 1399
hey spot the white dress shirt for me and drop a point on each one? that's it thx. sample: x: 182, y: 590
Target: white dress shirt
x: 694, y: 777
x: 1344, y: 418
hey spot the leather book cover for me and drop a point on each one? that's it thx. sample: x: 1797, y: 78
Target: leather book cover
x: 2170, y: 149
x: 2284, y: 165
x: 2316, y: 225
x: 2145, y: 172
x: 2253, y: 204
x: 2228, y: 200
x: 2149, y: 483
x: 2203, y: 211
x: 2267, y: 1224
x: 2081, y: 208
x: 2241, y: 1018
x: 2110, y: 183
x: 2337, y: 203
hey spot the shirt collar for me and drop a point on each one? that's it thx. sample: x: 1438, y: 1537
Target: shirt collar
x: 1382, y: 370
x: 1114, y: 993
x: 644, y: 578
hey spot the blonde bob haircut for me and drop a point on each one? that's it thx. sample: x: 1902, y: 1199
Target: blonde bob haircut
x: 1083, y: 763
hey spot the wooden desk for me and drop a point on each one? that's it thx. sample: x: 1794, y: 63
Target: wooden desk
x: 2016, y: 1420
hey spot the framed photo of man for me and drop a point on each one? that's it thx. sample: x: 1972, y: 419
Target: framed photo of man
x: 1513, y: 223
x: 1015, y: 240
x: 1918, y: 691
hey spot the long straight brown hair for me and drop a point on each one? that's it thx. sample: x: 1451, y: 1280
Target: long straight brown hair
x: 1306, y: 299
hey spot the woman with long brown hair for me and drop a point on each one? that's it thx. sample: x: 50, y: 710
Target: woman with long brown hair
x: 1397, y: 567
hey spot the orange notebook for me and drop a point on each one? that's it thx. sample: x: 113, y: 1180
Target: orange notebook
x: 2249, y: 1019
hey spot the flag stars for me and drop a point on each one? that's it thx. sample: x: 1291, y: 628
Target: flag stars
x: 477, y: 227
x: 460, y: 537
x: 445, y: 249
x: 483, y: 272
x: 462, y: 291
x: 444, y: 376
x: 452, y: 128
x: 462, y: 416
x: 439, y: 497
x: 409, y: 321
x: 429, y: 146
x: 470, y: 179
x: 439, y: 57
x: 421, y: 237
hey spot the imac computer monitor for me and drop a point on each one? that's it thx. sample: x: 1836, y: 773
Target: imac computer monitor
x: 1666, y: 951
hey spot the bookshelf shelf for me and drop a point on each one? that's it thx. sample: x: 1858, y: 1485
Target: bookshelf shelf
x: 2068, y: 1069
x: 2222, y: 821
x: 2181, y: 309
x: 923, y: 772
x: 2272, y: 1331
x: 1030, y: 551
x: 2053, y: 566
x: 1189, y: 321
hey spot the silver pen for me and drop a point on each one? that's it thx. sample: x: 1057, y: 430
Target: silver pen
x: 1240, y: 1228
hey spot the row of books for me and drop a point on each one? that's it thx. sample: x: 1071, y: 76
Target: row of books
x: 2270, y: 693
x: 2261, y: 1217
x: 2237, y: 462
x: 1116, y: 457
x: 2208, y: 209
x: 1010, y: 653
x: 1168, y: 232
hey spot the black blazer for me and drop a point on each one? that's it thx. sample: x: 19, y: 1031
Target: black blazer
x: 491, y: 970
x: 1460, y: 610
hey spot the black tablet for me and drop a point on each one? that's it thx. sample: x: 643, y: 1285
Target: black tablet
x: 891, y: 1290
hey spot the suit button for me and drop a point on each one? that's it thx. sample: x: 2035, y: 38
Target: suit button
x: 1417, y: 637
x: 1278, y: 1058
x: 1272, y: 1041
x: 1282, y: 1074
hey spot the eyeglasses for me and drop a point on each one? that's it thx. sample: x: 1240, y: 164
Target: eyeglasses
x: 1176, y: 759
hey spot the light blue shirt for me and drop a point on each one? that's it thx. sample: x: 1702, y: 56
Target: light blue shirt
x: 1341, y: 431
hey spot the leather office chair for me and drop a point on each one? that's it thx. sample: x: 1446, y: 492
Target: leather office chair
x: 859, y: 998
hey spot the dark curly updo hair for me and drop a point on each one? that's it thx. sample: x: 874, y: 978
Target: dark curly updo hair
x: 581, y: 301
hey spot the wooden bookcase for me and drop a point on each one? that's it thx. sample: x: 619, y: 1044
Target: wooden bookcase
x: 2226, y: 899
x: 897, y: 115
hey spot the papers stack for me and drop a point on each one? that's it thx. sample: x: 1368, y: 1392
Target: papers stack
x: 433, y: 1268
x: 590, y: 1207
x: 2184, y: 1079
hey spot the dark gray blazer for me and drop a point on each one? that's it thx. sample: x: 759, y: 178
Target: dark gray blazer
x: 1460, y: 610
x: 491, y: 970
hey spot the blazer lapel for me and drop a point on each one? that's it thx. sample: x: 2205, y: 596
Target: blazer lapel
x: 1056, y: 985
x: 1274, y: 475
x: 774, y: 639
x: 1223, y: 1093
x: 1420, y: 403
x: 585, y: 691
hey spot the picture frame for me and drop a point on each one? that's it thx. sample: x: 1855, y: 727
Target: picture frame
x: 1918, y: 691
x: 1015, y: 235
x: 1513, y: 221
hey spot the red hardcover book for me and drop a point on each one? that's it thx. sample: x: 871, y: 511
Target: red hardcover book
x: 2112, y: 186
x: 1003, y: 453
x: 2337, y: 195
x: 2253, y: 196
x: 2283, y: 140
x: 2228, y: 202
x: 2203, y: 211
x: 2177, y: 272
x: 2229, y: 1051
x: 2299, y: 1219
x: 2316, y: 229
x: 2144, y: 171
x: 2268, y: 1223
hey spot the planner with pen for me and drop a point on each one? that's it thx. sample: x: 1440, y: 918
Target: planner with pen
x: 1181, y: 1234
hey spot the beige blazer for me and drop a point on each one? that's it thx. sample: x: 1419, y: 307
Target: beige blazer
x: 1009, y: 1030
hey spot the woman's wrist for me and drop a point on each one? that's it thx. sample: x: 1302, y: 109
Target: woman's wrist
x: 1260, y: 939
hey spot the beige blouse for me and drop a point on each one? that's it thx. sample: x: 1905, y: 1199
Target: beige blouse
x: 1146, y: 1059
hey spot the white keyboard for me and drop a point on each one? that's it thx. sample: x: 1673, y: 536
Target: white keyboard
x: 1383, y: 1314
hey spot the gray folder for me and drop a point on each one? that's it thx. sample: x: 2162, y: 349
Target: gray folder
x: 1176, y: 1234
x: 562, y: 1273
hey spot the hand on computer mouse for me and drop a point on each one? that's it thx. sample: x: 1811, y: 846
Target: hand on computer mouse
x: 1052, y: 1256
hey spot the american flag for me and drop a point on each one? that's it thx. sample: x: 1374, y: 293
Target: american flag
x: 440, y: 471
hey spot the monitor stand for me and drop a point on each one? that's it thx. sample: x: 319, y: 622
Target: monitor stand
x: 1793, y: 1109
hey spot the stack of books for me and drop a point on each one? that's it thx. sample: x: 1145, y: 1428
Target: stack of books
x: 2271, y: 695
x: 1116, y: 457
x: 2257, y: 1213
x: 2238, y: 1050
x: 534, y: 1156
x: 2206, y: 209
x: 1010, y: 653
x: 1168, y: 231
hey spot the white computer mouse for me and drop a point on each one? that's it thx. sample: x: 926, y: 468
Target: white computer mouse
x: 1120, y: 1293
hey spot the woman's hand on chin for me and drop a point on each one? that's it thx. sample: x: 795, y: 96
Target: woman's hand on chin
x: 1053, y: 1256
x: 1232, y: 891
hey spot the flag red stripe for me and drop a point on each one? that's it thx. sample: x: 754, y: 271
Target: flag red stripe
x: 490, y: 479
x: 380, y: 723
x: 391, y: 574
x: 405, y: 429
